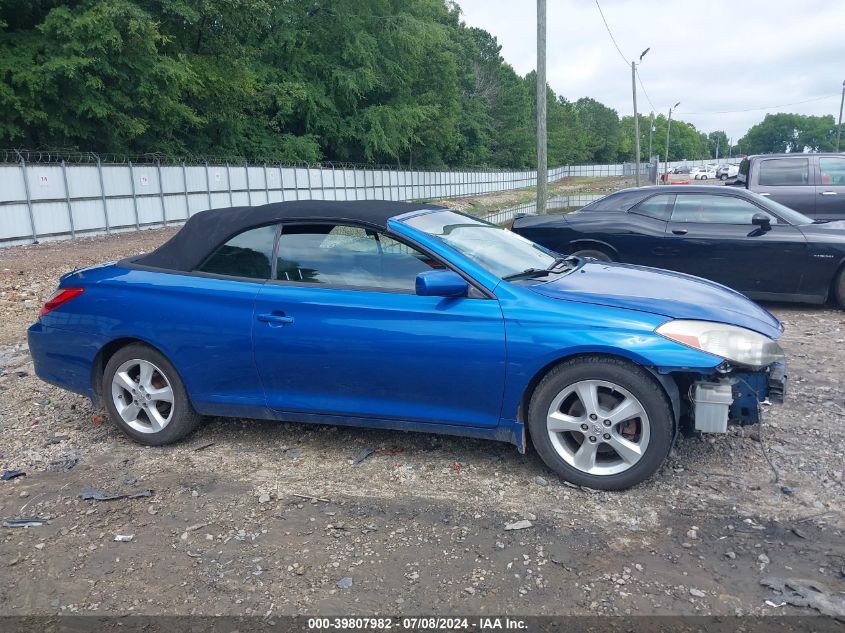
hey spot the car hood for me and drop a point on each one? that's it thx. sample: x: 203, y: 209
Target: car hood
x: 835, y: 229
x: 671, y: 294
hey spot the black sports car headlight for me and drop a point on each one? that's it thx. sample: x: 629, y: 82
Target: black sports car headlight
x: 736, y: 344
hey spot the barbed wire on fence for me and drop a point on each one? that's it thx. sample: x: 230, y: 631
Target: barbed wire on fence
x: 74, y: 156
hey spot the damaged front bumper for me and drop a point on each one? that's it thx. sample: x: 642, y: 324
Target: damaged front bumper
x: 735, y: 396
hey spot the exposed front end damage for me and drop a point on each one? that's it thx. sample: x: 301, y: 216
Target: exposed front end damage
x: 731, y: 395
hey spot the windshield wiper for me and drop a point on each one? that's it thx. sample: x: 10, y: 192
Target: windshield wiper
x: 530, y: 273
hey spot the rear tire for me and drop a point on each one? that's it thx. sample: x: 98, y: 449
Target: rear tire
x: 628, y: 419
x: 839, y: 289
x: 593, y: 253
x: 145, y: 397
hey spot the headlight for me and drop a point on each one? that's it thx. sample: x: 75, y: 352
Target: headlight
x: 744, y: 347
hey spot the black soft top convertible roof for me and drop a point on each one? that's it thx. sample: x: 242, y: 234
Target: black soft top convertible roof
x: 207, y: 230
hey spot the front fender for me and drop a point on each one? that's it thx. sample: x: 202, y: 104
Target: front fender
x: 542, y: 331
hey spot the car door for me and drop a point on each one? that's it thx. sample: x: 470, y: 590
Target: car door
x: 339, y: 331
x: 790, y: 181
x: 830, y: 190
x: 711, y: 236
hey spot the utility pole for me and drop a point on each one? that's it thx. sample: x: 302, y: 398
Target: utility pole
x: 650, y: 134
x: 636, y: 117
x: 666, y: 158
x: 718, y: 138
x: 730, y: 149
x: 542, y: 166
x: 839, y: 129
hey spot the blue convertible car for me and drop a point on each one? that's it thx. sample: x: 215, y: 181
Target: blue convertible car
x: 409, y: 316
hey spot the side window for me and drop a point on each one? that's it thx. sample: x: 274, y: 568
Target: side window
x: 832, y: 171
x: 348, y: 257
x: 658, y: 207
x: 784, y: 172
x: 248, y: 254
x: 715, y: 209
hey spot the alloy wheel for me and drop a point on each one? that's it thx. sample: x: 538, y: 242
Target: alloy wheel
x: 142, y: 395
x: 598, y: 427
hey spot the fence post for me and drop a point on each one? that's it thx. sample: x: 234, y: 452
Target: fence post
x: 308, y: 173
x: 334, y: 184
x: 28, y: 197
x: 161, y: 193
x: 208, y: 184
x: 282, y: 182
x: 134, y: 195
x: 295, y: 183
x: 67, y: 200
x: 322, y: 184
x: 103, y: 194
x: 266, y: 184
x: 187, y: 198
x: 248, y: 185
x: 229, y: 184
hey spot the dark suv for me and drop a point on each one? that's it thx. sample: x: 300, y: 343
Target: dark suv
x: 813, y: 184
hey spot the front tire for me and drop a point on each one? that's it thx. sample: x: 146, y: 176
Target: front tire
x: 601, y: 422
x: 839, y: 289
x: 145, y: 397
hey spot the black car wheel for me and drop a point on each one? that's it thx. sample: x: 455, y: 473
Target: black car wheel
x: 723, y: 177
x: 839, y: 289
x: 145, y: 397
x: 601, y: 422
x: 593, y: 253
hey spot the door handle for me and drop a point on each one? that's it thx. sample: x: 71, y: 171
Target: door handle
x: 275, y: 319
x: 828, y: 193
x: 679, y: 231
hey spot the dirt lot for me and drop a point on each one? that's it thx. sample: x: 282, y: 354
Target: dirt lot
x: 251, y: 517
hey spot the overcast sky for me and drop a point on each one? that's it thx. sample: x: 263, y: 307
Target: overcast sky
x: 711, y: 55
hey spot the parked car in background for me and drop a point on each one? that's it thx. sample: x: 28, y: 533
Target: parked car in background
x: 703, y: 173
x: 723, y: 172
x: 813, y: 184
x: 409, y: 316
x: 681, y: 170
x: 732, y: 236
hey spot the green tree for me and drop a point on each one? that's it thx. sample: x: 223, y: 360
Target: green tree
x: 784, y: 132
x: 717, y: 143
x: 600, y: 125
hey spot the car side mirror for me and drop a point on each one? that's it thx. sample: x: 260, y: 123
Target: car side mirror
x: 762, y: 220
x: 441, y: 283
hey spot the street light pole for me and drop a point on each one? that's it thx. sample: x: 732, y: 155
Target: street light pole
x: 839, y: 129
x: 636, y: 117
x: 542, y: 167
x: 666, y: 158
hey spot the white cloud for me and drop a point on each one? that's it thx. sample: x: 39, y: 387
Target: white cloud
x: 711, y: 55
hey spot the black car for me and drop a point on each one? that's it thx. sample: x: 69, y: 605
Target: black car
x: 733, y: 236
x: 813, y: 184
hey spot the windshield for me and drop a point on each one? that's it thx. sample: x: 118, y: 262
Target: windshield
x: 790, y: 215
x: 492, y: 247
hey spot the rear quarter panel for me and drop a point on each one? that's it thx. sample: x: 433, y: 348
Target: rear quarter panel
x: 202, y: 325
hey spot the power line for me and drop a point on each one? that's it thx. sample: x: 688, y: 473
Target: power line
x: 645, y: 92
x: 769, y: 107
x: 610, y: 33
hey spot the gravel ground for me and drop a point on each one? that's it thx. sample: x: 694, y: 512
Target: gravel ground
x: 249, y: 517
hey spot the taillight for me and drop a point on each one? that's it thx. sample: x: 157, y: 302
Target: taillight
x: 58, y: 298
